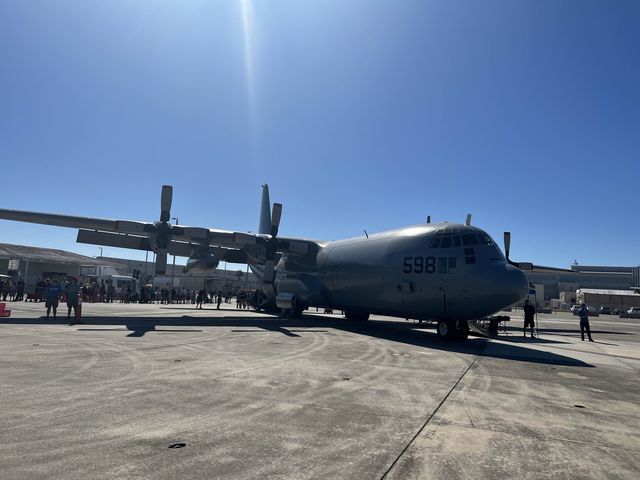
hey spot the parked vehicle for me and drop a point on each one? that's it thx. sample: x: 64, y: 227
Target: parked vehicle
x: 593, y: 311
x: 605, y: 311
x: 634, y: 311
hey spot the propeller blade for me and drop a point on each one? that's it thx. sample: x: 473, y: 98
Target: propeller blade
x: 165, y: 203
x: 276, y: 215
x: 161, y: 262
x: 507, y: 244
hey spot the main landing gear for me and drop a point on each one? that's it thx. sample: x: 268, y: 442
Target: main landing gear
x: 456, y: 330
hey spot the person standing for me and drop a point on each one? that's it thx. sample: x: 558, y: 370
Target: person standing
x: 72, y: 290
x: 20, y: 290
x: 219, y: 299
x: 200, y: 299
x: 52, y: 297
x: 529, y: 314
x: 6, y: 288
x: 110, y: 292
x: 583, y: 313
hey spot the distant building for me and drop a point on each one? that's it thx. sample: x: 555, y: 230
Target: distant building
x: 582, y: 276
x: 615, y: 299
x: 33, y: 263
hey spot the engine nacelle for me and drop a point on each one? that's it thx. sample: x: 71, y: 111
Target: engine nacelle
x: 202, y: 262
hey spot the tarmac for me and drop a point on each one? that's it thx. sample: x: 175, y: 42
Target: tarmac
x: 170, y: 392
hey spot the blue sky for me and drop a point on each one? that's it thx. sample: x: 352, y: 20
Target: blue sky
x: 359, y: 114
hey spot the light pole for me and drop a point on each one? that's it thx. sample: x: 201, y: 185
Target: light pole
x: 100, y: 248
x: 173, y: 268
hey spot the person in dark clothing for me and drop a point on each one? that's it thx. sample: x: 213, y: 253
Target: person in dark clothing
x: 72, y: 290
x: 219, y: 299
x: 529, y: 314
x: 583, y: 313
x: 200, y: 299
x: 20, y: 290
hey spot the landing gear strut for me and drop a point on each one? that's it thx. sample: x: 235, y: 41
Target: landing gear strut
x: 453, y: 329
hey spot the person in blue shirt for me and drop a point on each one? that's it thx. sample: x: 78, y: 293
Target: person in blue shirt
x: 54, y: 292
x: 583, y: 313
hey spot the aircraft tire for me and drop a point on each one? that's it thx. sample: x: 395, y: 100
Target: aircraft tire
x: 452, y: 330
x: 445, y: 329
x: 356, y: 316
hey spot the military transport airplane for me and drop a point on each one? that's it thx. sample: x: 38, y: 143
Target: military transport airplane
x: 451, y: 273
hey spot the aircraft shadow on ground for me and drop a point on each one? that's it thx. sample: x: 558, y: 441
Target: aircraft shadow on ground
x: 510, y: 347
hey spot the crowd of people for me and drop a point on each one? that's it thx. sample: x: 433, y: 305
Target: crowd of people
x: 54, y: 290
x: 12, y: 290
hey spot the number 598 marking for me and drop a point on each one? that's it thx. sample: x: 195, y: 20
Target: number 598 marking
x: 419, y: 265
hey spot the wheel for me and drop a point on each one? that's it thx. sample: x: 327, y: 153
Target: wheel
x: 444, y: 329
x: 356, y: 316
x: 453, y: 329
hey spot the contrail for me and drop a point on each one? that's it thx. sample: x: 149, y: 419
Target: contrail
x: 247, y: 27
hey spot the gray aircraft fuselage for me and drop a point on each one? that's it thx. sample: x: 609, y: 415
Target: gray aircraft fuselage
x: 430, y: 271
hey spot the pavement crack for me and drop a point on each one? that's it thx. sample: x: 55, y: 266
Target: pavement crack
x: 442, y: 402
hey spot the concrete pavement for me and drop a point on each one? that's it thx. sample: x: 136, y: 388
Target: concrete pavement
x: 244, y: 395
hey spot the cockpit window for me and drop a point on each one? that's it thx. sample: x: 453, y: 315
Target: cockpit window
x: 435, y: 243
x: 485, y: 239
x: 469, y: 239
x: 457, y: 241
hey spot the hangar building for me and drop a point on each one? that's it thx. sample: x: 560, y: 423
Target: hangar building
x: 34, y: 263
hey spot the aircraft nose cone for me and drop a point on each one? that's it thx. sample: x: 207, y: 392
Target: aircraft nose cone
x: 517, y: 285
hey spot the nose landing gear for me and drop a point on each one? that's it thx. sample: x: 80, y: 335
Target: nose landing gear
x: 456, y: 330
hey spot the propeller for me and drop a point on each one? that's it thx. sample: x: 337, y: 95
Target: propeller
x: 507, y: 250
x: 162, y: 232
x: 163, y: 229
x: 272, y: 245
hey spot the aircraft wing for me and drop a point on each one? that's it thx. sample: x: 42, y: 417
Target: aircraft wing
x: 164, y: 238
x: 543, y: 269
x: 182, y: 239
x: 65, y: 220
x: 527, y: 266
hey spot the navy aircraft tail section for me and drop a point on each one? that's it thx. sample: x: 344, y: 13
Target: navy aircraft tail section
x: 264, y: 226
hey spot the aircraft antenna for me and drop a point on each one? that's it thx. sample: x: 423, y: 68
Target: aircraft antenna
x: 467, y: 222
x: 428, y: 218
x: 365, y: 232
